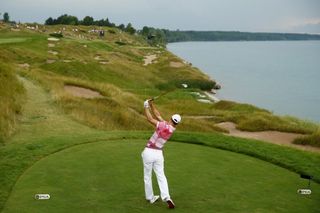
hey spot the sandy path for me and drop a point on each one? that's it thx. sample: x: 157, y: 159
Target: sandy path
x: 82, y: 92
x: 276, y: 137
x: 176, y: 64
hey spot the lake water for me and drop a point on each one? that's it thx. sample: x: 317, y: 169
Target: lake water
x: 281, y: 76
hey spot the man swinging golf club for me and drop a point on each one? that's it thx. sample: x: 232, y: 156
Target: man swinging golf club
x: 152, y: 156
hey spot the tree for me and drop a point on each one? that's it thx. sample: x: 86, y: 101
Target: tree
x: 121, y: 27
x: 100, y: 22
x: 49, y: 21
x: 130, y: 29
x: 6, y: 17
x: 88, y: 20
x: 145, y: 31
x: 67, y: 19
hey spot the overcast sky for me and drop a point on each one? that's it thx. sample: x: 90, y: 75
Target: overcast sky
x: 239, y: 15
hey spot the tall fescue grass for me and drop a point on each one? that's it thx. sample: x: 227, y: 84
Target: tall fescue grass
x: 11, y: 99
x: 117, y: 110
x: 312, y: 140
x: 264, y: 121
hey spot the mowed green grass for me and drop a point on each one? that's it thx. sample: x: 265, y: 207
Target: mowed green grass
x: 13, y: 40
x: 107, y: 176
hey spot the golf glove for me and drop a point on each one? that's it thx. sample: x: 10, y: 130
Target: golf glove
x: 146, y: 104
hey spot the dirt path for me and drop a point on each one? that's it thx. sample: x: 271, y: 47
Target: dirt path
x: 40, y: 118
x: 276, y: 137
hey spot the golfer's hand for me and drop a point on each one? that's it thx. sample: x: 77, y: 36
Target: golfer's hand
x: 146, y: 104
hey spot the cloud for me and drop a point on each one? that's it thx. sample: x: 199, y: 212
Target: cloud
x: 308, y: 28
x: 301, y: 25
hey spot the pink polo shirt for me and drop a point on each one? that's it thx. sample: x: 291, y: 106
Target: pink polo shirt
x: 163, y: 132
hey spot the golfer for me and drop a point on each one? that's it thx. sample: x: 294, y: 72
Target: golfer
x: 152, y: 156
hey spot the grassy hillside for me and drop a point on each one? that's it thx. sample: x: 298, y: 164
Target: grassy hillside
x: 118, y: 72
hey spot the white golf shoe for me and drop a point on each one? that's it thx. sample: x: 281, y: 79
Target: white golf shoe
x: 170, y: 203
x: 154, y: 199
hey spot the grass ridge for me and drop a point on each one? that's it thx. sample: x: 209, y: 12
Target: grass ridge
x: 295, y: 160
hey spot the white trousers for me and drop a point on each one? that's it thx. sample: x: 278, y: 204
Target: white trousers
x: 153, y: 160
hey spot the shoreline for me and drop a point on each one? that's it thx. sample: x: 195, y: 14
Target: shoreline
x: 304, y: 106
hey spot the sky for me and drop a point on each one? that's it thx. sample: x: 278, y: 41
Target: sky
x: 301, y: 16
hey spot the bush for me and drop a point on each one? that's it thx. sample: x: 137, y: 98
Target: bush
x: 120, y: 43
x: 201, y: 84
x: 56, y: 35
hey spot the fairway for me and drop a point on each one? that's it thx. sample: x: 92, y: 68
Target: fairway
x: 106, y: 176
x: 13, y: 40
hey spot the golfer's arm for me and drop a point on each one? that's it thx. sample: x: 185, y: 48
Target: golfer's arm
x: 149, y: 117
x: 156, y: 112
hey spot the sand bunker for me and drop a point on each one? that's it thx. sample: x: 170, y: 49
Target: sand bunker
x: 51, y: 45
x: 276, y: 137
x: 53, y: 52
x: 15, y: 29
x: 82, y: 92
x: 53, y: 39
x: 25, y: 65
x: 149, y: 59
x: 176, y: 64
x: 101, y: 60
x: 50, y: 61
x: 206, y: 101
x: 97, y: 57
x: 212, y: 97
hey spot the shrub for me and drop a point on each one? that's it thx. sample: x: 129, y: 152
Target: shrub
x: 56, y: 35
x: 201, y: 84
x: 120, y: 43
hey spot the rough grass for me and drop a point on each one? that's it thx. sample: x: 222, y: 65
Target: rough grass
x: 125, y: 81
x: 263, y: 121
x: 312, y: 140
x: 11, y: 99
